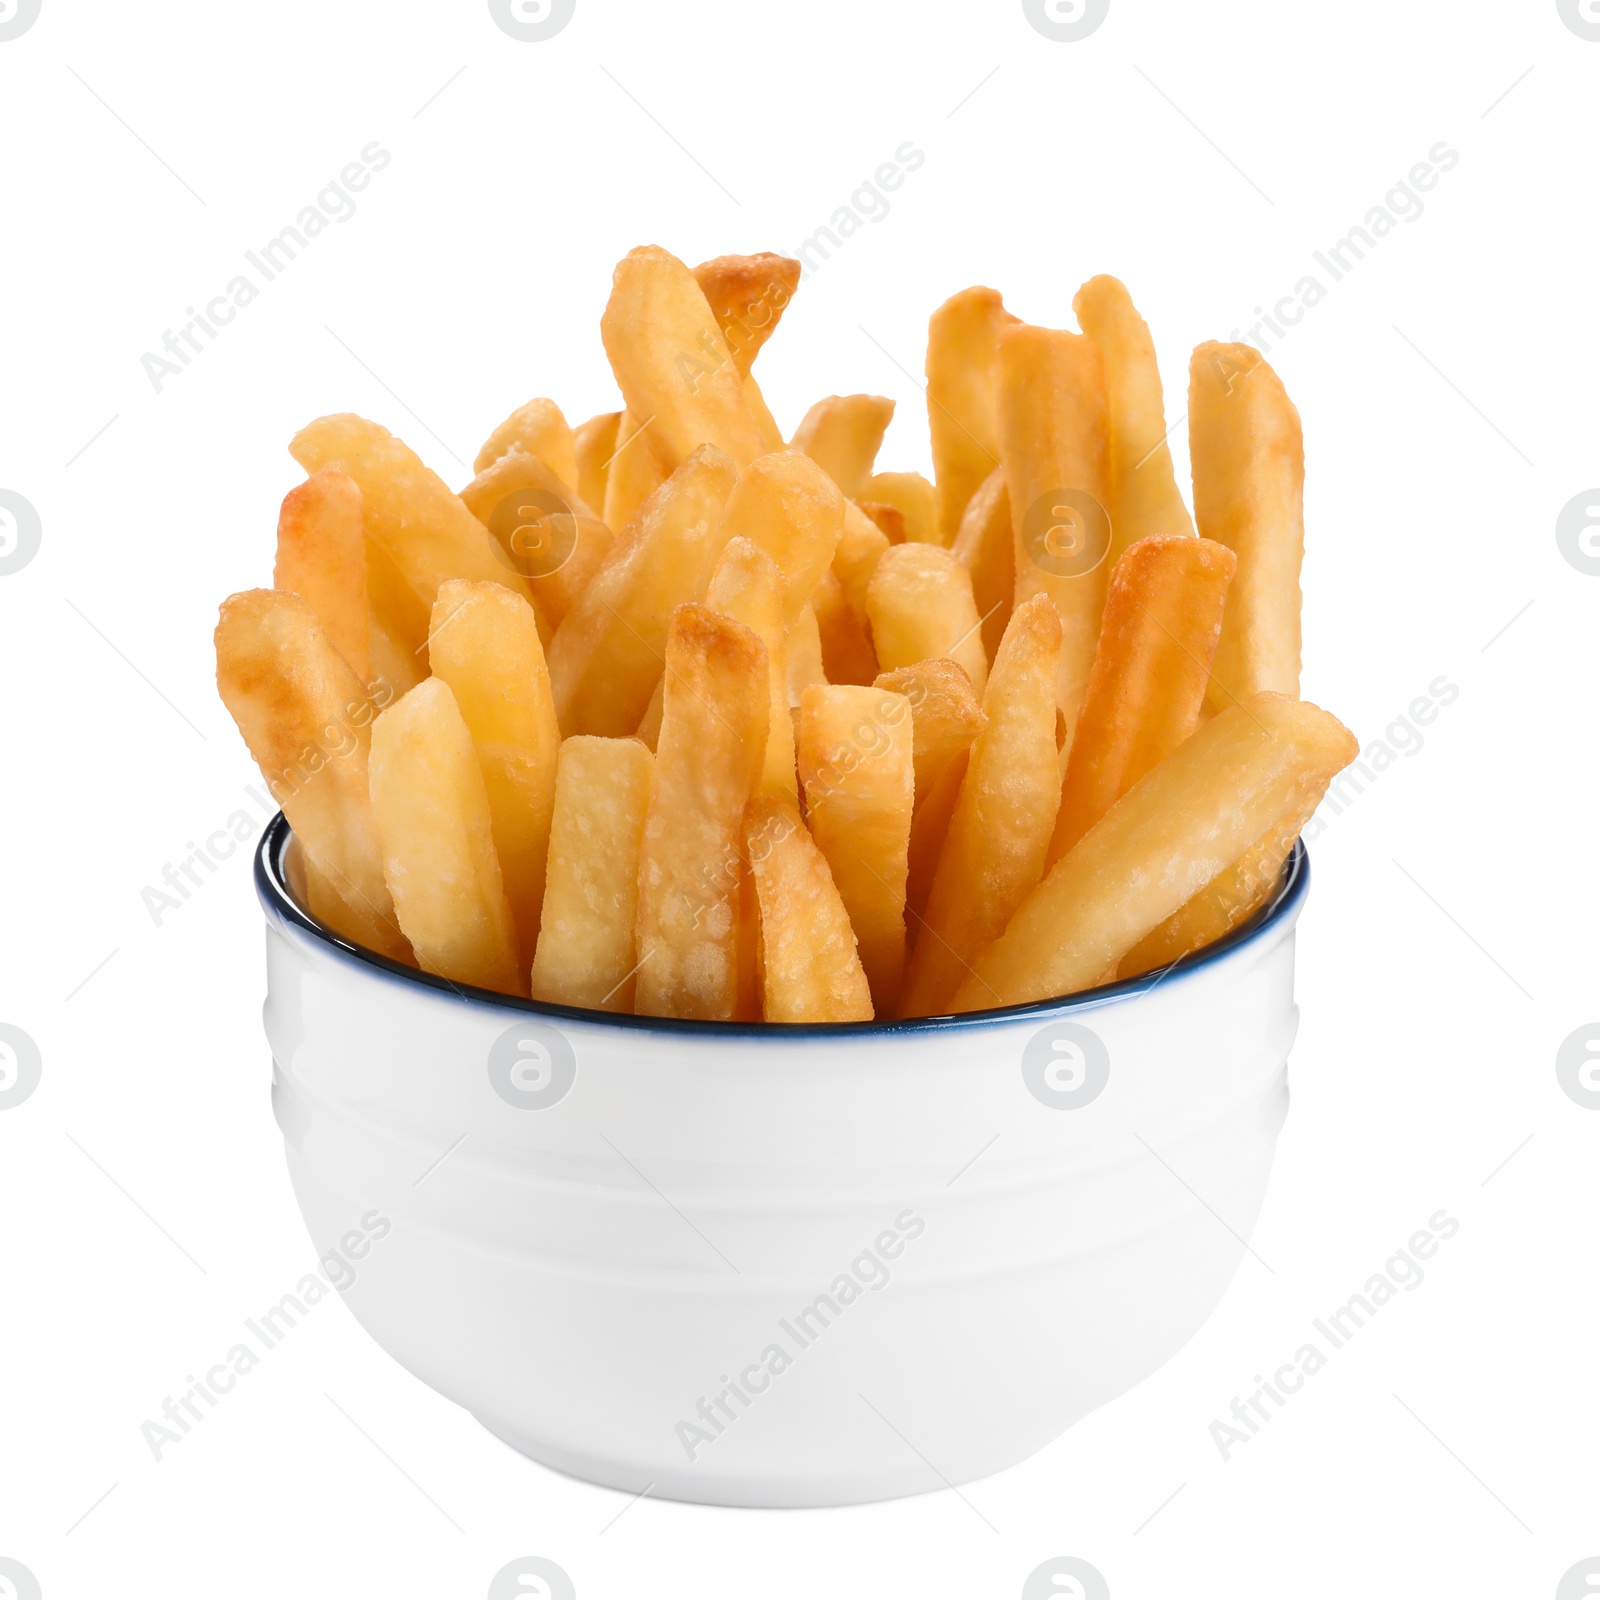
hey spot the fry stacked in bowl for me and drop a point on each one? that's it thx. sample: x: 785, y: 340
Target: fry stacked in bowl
x: 664, y: 714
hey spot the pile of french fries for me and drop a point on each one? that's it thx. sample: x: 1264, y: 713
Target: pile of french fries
x: 666, y: 714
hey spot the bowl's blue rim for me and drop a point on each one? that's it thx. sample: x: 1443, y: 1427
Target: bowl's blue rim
x: 272, y: 888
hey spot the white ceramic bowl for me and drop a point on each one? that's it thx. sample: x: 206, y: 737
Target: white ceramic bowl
x: 779, y: 1266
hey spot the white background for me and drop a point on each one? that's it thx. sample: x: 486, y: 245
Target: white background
x: 1199, y: 152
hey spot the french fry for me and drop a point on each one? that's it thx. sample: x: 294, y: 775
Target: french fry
x: 914, y: 498
x: 1232, y: 897
x: 889, y: 520
x: 945, y: 719
x: 539, y: 429
x: 785, y: 503
x: 1249, y: 479
x: 593, y: 444
x: 962, y: 338
x: 396, y: 617
x: 994, y: 852
x: 485, y: 646
x: 920, y: 605
x: 322, y: 557
x: 427, y: 532
x: 842, y: 637
x: 842, y: 435
x: 713, y: 730
x: 747, y: 585
x: 811, y: 971
x: 1145, y: 502
x: 632, y: 476
x: 1163, y: 614
x: 747, y: 295
x: 307, y: 722
x: 765, y: 421
x: 586, y: 954
x: 394, y: 668
x: 803, y: 650
x: 855, y: 754
x: 672, y: 364
x: 608, y: 652
x: 1051, y: 405
x: 861, y: 544
x: 984, y: 546
x: 1183, y: 823
x: 438, y: 844
x: 549, y: 535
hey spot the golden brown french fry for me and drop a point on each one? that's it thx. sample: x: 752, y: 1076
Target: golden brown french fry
x: 994, y: 852
x: 426, y: 531
x: 962, y: 338
x: 914, y: 498
x: 322, y: 557
x: 985, y: 548
x: 842, y: 636
x: 395, y: 616
x: 1249, y: 480
x: 1145, y: 502
x: 889, y: 520
x: 438, y: 844
x: 861, y: 544
x: 586, y: 954
x: 1051, y: 403
x: 1232, y: 897
x: 1163, y: 614
x: 920, y: 605
x: 672, y: 364
x: 485, y: 646
x: 307, y: 722
x: 787, y: 504
x: 608, y: 652
x: 747, y: 585
x: 945, y: 719
x: 541, y: 430
x: 1163, y: 841
x: 765, y: 421
x: 747, y: 295
x: 394, y: 668
x: 548, y: 533
x: 593, y: 444
x: 713, y: 730
x: 810, y: 969
x: 632, y: 476
x: 855, y: 753
x: 842, y: 435
x: 803, y: 650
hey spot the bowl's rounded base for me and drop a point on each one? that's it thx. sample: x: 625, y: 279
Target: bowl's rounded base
x: 755, y: 1493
